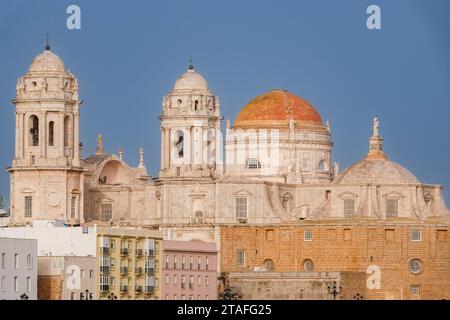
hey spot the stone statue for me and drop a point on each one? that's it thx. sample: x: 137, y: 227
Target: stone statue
x: 327, y: 125
x: 228, y: 124
x: 165, y: 103
x: 376, y: 127
x: 44, y: 85
x: 291, y: 124
x: 100, y: 150
x: 335, y: 169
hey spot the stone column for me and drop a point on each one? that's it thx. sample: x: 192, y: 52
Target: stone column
x: 167, y: 148
x: 17, y: 146
x: 76, y: 142
x: 61, y: 135
x: 163, y: 164
x: 22, y: 135
x: 42, y: 133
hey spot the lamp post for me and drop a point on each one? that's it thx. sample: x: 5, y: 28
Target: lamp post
x: 112, y: 296
x: 24, y: 296
x: 334, y: 290
x: 358, y: 296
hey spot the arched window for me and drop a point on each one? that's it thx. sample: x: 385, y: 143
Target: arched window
x: 322, y: 167
x: 269, y: 265
x: 252, y: 163
x: 308, y: 265
x: 179, y: 143
x: 66, y: 131
x: 33, y: 125
x: 51, y: 133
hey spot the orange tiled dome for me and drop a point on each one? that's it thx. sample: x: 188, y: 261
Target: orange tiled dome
x: 274, y: 109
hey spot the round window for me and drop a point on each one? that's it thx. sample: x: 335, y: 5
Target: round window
x: 415, y: 266
x: 308, y: 265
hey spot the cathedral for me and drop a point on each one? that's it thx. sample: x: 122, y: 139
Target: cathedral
x: 271, y: 168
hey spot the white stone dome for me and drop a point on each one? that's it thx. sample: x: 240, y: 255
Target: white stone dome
x: 47, y: 62
x: 376, y: 171
x: 191, y: 81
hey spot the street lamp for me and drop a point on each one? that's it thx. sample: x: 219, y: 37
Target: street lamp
x: 358, y: 296
x: 334, y: 290
x: 24, y: 296
x: 112, y: 296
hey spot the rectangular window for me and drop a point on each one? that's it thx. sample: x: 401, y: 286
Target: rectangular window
x: 269, y: 235
x: 174, y: 262
x: 167, y: 261
x: 240, y: 258
x: 174, y: 297
x: 391, y: 208
x: 415, y: 289
x: 207, y: 263
x: 82, y: 273
x: 16, y: 260
x: 241, y: 208
x: 441, y: 235
x: 199, y: 282
x: 29, y: 284
x: 73, y: 207
x: 349, y: 208
x: 175, y: 279
x: 191, y: 282
x: 72, y: 296
x: 207, y: 281
x: 29, y: 262
x: 206, y: 297
x: 28, y: 206
x: 3, y: 260
x: 91, y: 274
x: 416, y: 235
x: 347, y: 234
x: 106, y: 212
x: 183, y: 281
x: 16, y: 284
x: 331, y: 234
x: 167, y: 296
x: 199, y: 263
x: 3, y: 282
x: 183, y: 260
x: 308, y: 235
x: 191, y: 262
x: 167, y: 279
x: 389, y: 234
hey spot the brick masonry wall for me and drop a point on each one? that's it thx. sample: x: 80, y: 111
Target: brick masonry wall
x: 50, y: 287
x: 349, y: 247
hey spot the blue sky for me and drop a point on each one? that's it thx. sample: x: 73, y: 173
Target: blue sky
x: 128, y: 54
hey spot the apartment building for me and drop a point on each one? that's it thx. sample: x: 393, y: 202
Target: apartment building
x: 189, y: 271
x: 110, y: 262
x: 18, y: 269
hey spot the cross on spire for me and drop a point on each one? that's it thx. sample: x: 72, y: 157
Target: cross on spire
x: 47, y: 35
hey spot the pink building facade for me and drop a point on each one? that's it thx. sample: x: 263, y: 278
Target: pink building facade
x: 189, y: 270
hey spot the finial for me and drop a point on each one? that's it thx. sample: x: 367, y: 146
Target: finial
x: 376, y: 143
x: 191, y: 64
x: 327, y: 125
x: 100, y: 150
x: 376, y: 127
x: 80, y: 148
x: 141, y: 158
x: 120, y: 153
x: 47, y: 47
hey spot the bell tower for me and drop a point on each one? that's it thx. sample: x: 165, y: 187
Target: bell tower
x: 46, y: 174
x: 190, y: 129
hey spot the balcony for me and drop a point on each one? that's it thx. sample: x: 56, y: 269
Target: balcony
x: 138, y: 289
x: 123, y: 288
x: 123, y: 270
x: 138, y: 252
x: 149, y: 289
x: 149, y: 271
x: 104, y: 250
x: 123, y: 251
x: 138, y: 271
x: 104, y: 287
x: 104, y: 269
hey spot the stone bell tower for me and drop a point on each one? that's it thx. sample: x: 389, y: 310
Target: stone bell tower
x: 190, y: 130
x: 46, y: 175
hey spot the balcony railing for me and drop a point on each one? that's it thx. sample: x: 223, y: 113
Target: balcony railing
x: 123, y: 288
x: 138, y: 288
x: 149, y: 289
x: 104, y: 268
x: 104, y: 287
x: 123, y: 251
x: 149, y: 271
x: 123, y: 270
x: 104, y: 250
x: 138, y: 270
x: 138, y: 252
